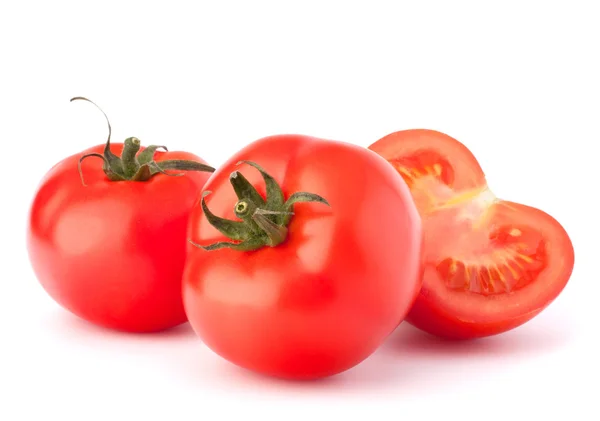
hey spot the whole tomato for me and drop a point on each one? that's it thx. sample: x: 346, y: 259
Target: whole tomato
x: 304, y: 257
x: 108, y: 242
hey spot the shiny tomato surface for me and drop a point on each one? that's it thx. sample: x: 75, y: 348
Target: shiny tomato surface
x: 490, y: 265
x: 331, y: 293
x: 113, y: 252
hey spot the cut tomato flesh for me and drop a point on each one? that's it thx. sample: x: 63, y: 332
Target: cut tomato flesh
x: 422, y: 164
x: 478, y: 246
x: 510, y: 266
x: 475, y: 250
x: 489, y: 264
x: 421, y: 148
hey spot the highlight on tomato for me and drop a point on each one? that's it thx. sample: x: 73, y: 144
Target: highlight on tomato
x: 304, y: 256
x: 107, y: 238
x: 490, y: 265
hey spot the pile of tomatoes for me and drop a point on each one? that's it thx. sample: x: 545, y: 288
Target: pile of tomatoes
x: 298, y: 256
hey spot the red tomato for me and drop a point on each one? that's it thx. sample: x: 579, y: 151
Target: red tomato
x: 112, y: 252
x: 490, y: 265
x: 319, y: 297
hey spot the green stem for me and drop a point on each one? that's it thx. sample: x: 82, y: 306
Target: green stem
x: 128, y: 157
x: 184, y: 165
x: 275, y: 233
x: 133, y: 167
x: 274, y: 194
x: 234, y: 230
x: 244, y: 209
x: 263, y: 222
x: 244, y: 190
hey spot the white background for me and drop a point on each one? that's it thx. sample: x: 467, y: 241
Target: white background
x: 517, y: 82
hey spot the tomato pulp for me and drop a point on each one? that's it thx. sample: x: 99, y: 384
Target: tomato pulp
x: 490, y: 265
x: 341, y: 281
x: 112, y: 252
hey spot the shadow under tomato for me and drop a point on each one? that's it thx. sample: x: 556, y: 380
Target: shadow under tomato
x: 376, y: 373
x: 68, y: 325
x: 410, y: 362
x: 413, y: 362
x: 373, y: 374
x: 532, y: 339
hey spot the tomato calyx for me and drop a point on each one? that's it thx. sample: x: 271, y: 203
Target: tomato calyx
x: 263, y: 222
x: 134, y: 166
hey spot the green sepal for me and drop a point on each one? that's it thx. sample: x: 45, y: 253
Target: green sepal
x: 262, y: 222
x: 132, y: 166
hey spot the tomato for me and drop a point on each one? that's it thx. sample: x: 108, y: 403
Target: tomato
x: 309, y: 294
x: 490, y: 265
x: 109, y: 249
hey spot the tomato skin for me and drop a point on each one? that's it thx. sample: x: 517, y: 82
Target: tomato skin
x: 429, y: 317
x: 325, y: 299
x: 464, y: 232
x: 111, y: 252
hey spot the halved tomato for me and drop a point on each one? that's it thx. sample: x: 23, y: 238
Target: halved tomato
x: 489, y: 265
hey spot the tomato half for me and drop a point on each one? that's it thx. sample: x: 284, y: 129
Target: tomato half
x: 112, y: 252
x: 334, y: 286
x: 490, y: 265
